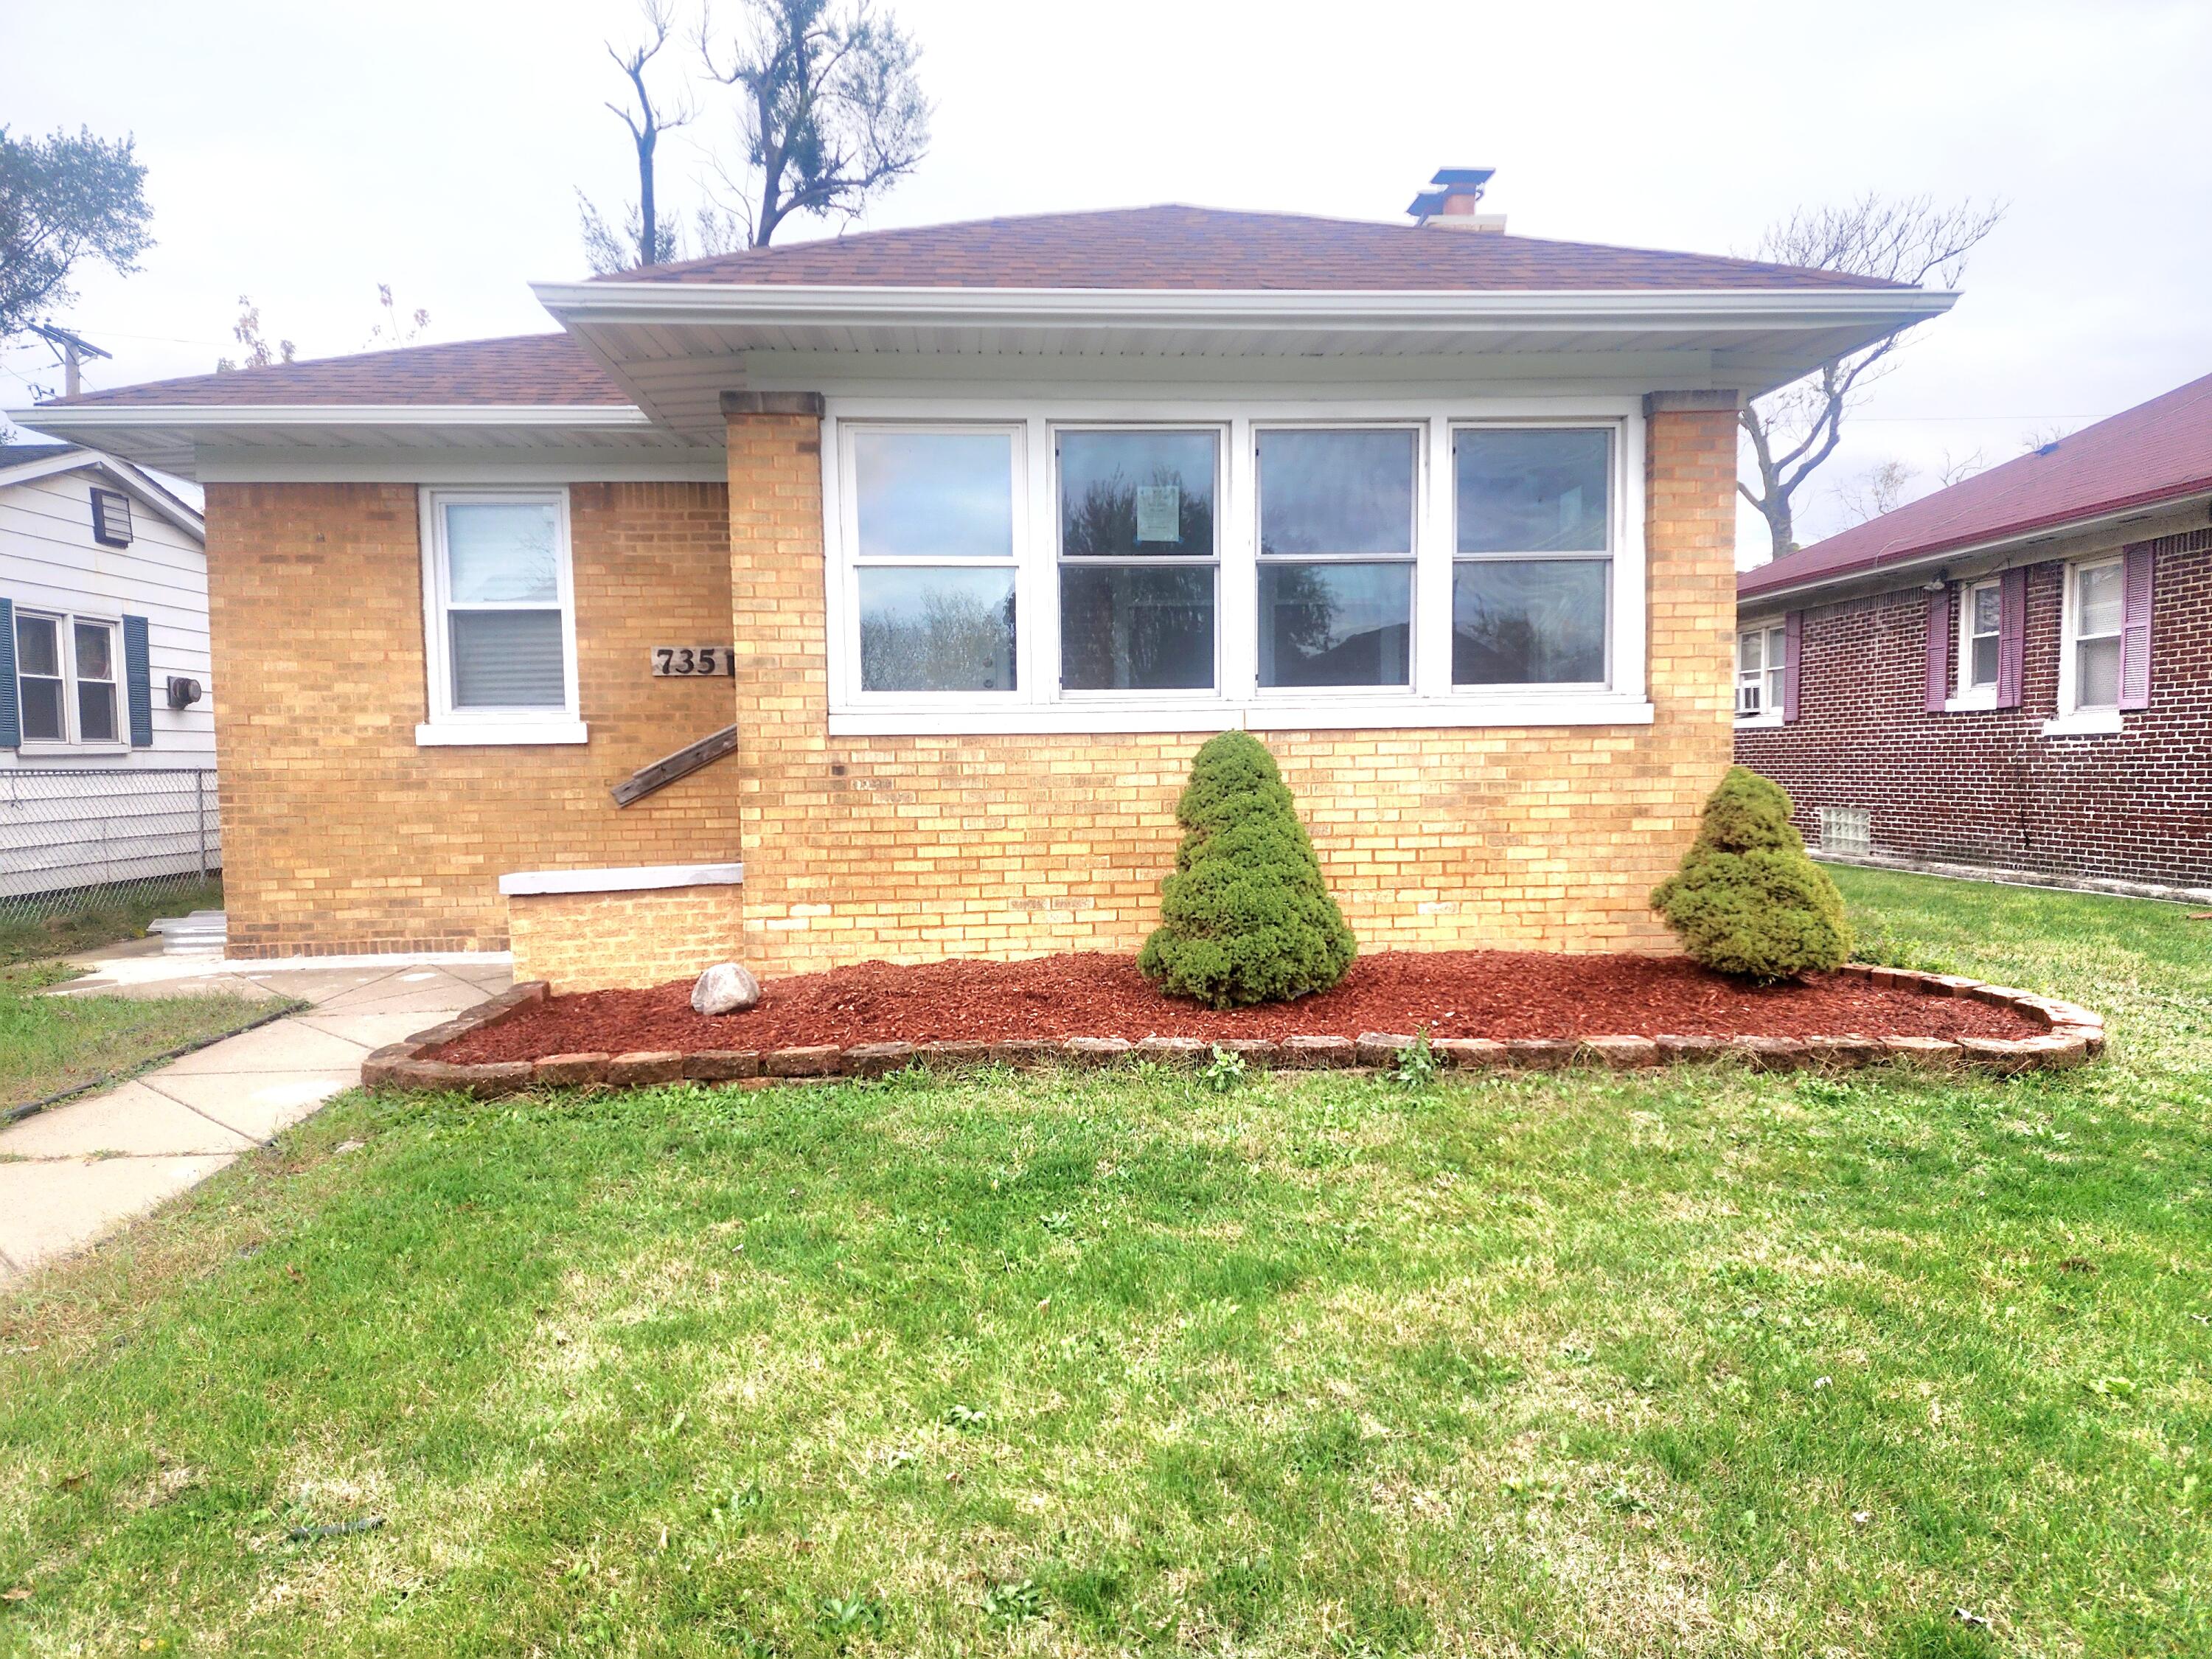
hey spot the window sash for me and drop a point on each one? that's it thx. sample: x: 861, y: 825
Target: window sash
x: 442, y: 654
x: 72, y: 688
x: 2084, y: 644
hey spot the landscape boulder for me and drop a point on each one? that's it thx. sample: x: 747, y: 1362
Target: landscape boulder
x: 725, y: 988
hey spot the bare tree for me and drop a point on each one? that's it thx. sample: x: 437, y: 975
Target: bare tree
x: 832, y: 114
x: 392, y: 329
x: 1881, y: 489
x: 1957, y: 469
x: 646, y: 236
x: 1794, y: 430
x: 258, y: 353
x: 2048, y: 435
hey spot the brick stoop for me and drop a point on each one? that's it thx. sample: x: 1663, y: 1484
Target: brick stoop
x: 2071, y: 1034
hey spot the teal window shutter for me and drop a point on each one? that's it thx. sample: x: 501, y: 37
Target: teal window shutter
x: 11, y: 720
x: 138, y: 669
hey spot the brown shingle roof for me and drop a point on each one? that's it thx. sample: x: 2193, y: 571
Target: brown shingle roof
x: 2158, y: 451
x: 521, y: 369
x: 1188, y: 247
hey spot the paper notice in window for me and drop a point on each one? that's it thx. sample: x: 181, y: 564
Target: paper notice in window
x: 1160, y: 513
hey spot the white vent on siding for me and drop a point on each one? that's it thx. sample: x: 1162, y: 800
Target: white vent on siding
x: 1846, y: 830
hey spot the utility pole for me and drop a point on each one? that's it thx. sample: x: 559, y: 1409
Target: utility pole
x: 73, y: 351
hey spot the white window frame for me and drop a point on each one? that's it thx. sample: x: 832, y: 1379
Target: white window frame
x: 845, y: 573
x: 1037, y: 705
x: 2072, y: 718
x: 1414, y: 558
x: 448, y: 726
x: 1965, y: 694
x: 66, y: 626
x: 1772, y: 672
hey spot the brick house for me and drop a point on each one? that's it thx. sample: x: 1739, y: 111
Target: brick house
x: 2013, y: 675
x: 976, y: 531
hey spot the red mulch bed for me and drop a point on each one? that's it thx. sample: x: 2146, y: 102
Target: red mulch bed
x: 1467, y: 994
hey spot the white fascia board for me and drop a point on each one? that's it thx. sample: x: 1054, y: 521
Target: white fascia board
x: 94, y: 418
x: 793, y: 304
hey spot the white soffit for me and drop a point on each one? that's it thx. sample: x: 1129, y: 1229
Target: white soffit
x: 674, y: 347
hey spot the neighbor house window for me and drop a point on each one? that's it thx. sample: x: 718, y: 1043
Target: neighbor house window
x: 934, y: 558
x: 1533, y: 571
x: 2095, y: 609
x: 1761, y: 662
x: 501, y: 624
x: 67, y: 679
x: 1337, y: 511
x: 1980, y: 610
x: 1138, y: 558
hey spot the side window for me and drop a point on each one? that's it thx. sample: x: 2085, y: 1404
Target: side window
x: 1532, y: 572
x: 2093, y: 615
x: 500, y: 626
x: 1761, y: 660
x: 1980, y: 613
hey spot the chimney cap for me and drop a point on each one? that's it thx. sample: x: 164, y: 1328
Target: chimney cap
x: 1457, y: 192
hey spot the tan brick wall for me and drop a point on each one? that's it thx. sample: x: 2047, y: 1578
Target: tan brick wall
x: 339, y: 834
x: 909, y: 848
x: 591, y: 941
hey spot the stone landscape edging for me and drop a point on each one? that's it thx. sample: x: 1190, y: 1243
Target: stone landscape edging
x: 2071, y: 1034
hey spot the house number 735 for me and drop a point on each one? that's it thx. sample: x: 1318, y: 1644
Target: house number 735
x: 683, y: 660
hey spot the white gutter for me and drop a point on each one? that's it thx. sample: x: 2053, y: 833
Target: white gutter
x: 1395, y: 309
x: 95, y: 417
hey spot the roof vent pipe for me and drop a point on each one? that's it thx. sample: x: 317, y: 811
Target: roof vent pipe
x: 1451, y: 205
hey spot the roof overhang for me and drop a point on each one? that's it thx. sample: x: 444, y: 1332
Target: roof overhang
x: 674, y: 346
x: 2152, y: 515
x: 122, y: 474
x: 177, y: 437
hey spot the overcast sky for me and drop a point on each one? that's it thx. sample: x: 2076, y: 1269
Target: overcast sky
x: 300, y: 153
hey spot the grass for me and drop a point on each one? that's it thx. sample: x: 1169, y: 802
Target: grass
x: 107, y: 917
x: 51, y: 1043
x: 1695, y: 1363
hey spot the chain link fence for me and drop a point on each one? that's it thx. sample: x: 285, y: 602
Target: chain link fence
x: 69, y: 838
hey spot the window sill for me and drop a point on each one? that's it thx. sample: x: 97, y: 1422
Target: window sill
x: 1364, y: 712
x: 472, y: 734
x: 35, y: 750
x: 2085, y: 723
x: 1971, y: 702
x: 1759, y: 722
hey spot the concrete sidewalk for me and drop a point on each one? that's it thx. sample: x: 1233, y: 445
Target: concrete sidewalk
x: 74, y: 1172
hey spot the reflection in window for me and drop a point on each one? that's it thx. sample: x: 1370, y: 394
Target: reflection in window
x: 934, y: 494
x: 934, y: 536
x: 1336, y: 492
x: 942, y: 630
x: 39, y: 679
x: 1985, y: 611
x: 2098, y: 611
x: 1336, y: 625
x: 96, y: 720
x: 1532, y: 490
x: 1146, y: 497
x: 1136, y: 627
x: 1529, y: 622
x: 1137, y: 494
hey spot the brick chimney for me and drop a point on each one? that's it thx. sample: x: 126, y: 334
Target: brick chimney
x: 1451, y: 205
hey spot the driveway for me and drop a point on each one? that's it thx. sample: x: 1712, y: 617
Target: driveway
x: 74, y: 1173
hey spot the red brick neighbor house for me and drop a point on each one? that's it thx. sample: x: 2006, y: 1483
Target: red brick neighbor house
x: 2013, y: 675
x: 866, y: 598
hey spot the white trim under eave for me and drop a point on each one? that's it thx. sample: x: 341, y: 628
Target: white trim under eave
x: 1396, y: 309
x: 583, y: 417
x: 1520, y: 714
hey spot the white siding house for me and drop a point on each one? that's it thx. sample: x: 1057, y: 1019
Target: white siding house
x: 106, y: 754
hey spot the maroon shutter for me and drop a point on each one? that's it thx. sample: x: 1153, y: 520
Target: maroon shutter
x: 1790, y: 633
x: 2135, y: 629
x: 1939, y: 649
x: 2011, y: 636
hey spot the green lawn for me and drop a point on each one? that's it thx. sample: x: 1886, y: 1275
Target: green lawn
x: 1696, y: 1363
x: 102, y: 917
x: 51, y: 1043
